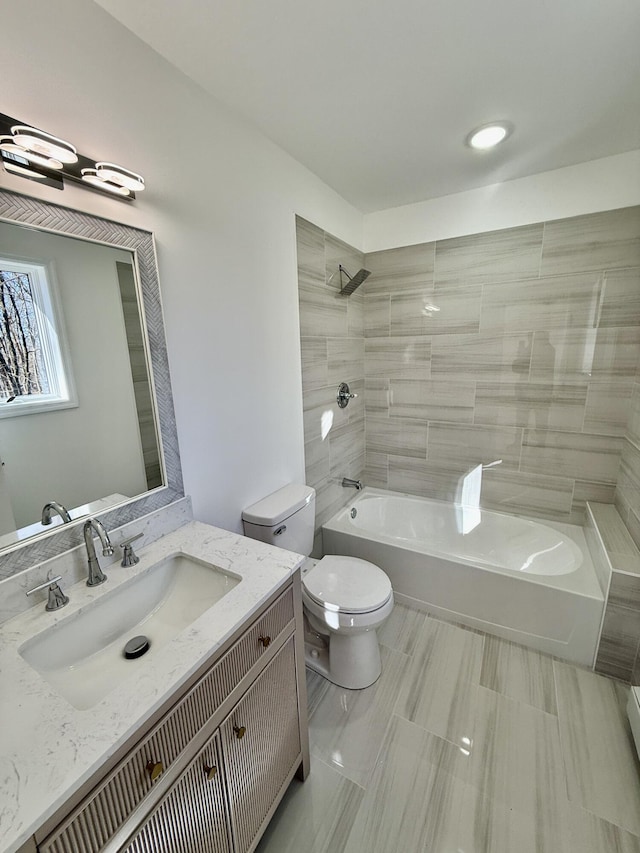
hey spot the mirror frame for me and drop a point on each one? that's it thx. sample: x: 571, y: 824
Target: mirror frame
x: 27, y: 211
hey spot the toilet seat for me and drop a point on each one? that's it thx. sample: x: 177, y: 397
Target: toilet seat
x: 347, y: 584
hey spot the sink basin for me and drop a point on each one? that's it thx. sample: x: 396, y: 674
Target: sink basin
x: 82, y: 657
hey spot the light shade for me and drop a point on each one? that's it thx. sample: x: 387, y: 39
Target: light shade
x: 120, y: 176
x: 43, y: 143
x: 91, y: 177
x: 489, y: 135
x: 7, y: 144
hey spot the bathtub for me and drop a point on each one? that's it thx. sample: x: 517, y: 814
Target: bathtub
x: 529, y: 581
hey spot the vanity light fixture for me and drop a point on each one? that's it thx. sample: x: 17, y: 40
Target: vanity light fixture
x: 35, y: 154
x: 489, y: 135
x: 92, y: 176
x: 48, y: 146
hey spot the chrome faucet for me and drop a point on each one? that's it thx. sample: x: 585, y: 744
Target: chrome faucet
x: 54, y: 506
x: 96, y: 575
x: 347, y: 481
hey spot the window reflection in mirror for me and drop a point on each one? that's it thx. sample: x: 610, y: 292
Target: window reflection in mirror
x: 102, y: 448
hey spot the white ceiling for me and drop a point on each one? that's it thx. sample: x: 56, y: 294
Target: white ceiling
x: 377, y: 96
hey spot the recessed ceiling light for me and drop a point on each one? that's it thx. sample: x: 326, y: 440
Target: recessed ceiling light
x: 489, y: 135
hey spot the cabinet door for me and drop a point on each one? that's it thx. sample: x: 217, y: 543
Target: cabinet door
x: 192, y: 817
x: 261, y: 746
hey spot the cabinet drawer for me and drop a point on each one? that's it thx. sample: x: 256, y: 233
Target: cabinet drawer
x: 99, y: 816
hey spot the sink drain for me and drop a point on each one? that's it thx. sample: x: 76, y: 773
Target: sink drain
x: 136, y: 647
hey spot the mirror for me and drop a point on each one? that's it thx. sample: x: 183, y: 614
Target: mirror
x: 98, y: 434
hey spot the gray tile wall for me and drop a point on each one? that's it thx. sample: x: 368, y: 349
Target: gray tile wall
x: 332, y: 349
x: 521, y: 345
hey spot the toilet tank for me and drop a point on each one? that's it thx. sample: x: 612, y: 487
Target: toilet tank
x: 284, y: 518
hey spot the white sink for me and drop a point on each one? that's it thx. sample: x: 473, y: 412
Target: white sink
x: 82, y: 657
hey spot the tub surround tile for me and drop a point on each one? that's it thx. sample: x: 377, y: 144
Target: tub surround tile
x: 482, y: 357
x: 601, y: 769
x: 315, y: 816
x: 345, y: 360
x: 628, y: 485
x: 619, y: 642
x: 391, y: 269
x: 436, y: 310
x: 432, y: 400
x: 337, y: 252
x: 585, y: 490
x: 406, y: 357
x: 471, y: 445
x: 584, y: 355
x: 539, y: 495
x: 597, y: 241
x: 558, y: 302
x: 598, y: 551
x: 450, y: 657
x: 608, y: 406
x: 313, y: 353
x: 424, y: 478
x: 491, y: 257
x: 317, y: 464
x: 633, y: 524
x: 633, y: 424
x: 539, y: 406
x: 571, y: 454
x: 310, y: 249
x: 376, y: 396
x: 621, y: 549
x: 346, y: 453
x: 376, y: 470
x: 414, y: 799
x: 397, y: 435
x: 519, y: 673
x: 348, y: 726
x: 355, y: 315
x: 377, y: 315
x: 621, y: 298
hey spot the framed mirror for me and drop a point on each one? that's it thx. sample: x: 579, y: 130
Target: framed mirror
x: 86, y: 411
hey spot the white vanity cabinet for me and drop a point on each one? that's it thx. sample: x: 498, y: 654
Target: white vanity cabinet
x: 208, y: 774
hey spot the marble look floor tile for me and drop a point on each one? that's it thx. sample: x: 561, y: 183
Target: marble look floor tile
x: 348, y: 726
x: 402, y: 629
x: 414, y: 799
x: 601, y: 766
x: 519, y: 673
x: 317, y: 686
x: 517, y: 790
x: 439, y: 691
x: 315, y: 816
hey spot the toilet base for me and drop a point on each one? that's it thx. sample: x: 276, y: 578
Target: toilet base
x: 351, y: 661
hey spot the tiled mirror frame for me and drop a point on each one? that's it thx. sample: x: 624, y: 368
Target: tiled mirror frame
x: 24, y: 210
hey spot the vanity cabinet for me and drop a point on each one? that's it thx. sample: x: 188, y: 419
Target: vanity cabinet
x: 208, y: 773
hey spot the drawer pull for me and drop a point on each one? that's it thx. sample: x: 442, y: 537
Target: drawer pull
x: 210, y: 772
x: 155, y: 769
x: 265, y: 641
x: 240, y: 731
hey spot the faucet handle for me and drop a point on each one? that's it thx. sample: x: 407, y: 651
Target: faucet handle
x: 57, y: 598
x: 129, y: 557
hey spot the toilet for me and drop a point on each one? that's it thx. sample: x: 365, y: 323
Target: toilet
x: 344, y: 598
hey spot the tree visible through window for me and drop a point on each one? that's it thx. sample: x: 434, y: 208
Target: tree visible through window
x: 32, y: 372
x: 22, y: 369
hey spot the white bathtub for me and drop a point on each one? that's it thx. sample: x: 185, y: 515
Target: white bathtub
x: 529, y: 581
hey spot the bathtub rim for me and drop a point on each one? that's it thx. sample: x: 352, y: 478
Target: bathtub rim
x: 582, y: 581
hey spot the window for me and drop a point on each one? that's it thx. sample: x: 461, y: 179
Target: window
x: 33, y: 374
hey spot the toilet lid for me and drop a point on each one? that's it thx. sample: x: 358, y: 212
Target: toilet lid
x: 350, y: 584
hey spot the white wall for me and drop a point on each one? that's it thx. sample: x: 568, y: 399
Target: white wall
x: 83, y: 453
x: 221, y: 200
x: 604, y: 184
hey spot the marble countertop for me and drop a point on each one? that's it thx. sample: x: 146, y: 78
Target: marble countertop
x: 48, y: 748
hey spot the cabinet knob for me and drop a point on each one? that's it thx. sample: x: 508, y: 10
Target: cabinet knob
x: 210, y: 772
x: 155, y: 769
x: 240, y: 731
x: 265, y: 641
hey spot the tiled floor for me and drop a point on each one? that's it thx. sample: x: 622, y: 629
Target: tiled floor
x: 466, y: 744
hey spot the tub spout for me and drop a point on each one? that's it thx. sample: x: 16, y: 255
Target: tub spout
x: 347, y: 481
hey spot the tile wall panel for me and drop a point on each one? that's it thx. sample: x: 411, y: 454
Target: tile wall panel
x: 332, y: 330
x: 532, y: 359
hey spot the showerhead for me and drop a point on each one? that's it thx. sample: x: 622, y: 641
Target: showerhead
x: 354, y: 281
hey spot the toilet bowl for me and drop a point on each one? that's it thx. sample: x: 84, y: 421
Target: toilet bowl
x: 345, y: 599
